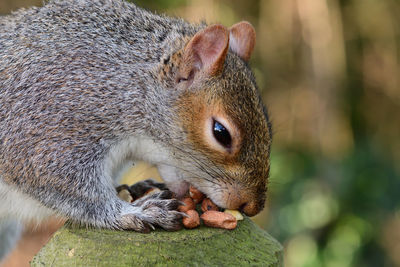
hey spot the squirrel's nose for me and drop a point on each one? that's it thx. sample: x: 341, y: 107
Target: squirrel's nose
x: 250, y: 208
x: 245, y: 203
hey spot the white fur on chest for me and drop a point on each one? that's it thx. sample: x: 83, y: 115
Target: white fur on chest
x: 145, y: 149
x: 19, y: 206
x: 126, y: 152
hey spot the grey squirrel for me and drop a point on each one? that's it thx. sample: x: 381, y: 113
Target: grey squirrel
x: 86, y: 86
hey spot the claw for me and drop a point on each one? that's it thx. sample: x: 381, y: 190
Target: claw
x: 174, y: 204
x: 184, y: 214
x: 165, y: 194
x: 152, y: 226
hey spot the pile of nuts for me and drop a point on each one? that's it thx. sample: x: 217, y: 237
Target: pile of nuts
x: 211, y: 216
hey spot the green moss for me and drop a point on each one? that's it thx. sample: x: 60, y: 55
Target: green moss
x: 247, y: 245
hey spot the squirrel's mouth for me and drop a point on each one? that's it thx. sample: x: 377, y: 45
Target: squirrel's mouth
x: 229, y: 201
x: 235, y: 197
x: 214, y: 195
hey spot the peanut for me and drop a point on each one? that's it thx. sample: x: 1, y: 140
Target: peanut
x: 192, y: 221
x: 207, y: 204
x: 219, y: 219
x: 235, y: 214
x: 196, y: 195
x: 189, y: 205
x: 125, y: 195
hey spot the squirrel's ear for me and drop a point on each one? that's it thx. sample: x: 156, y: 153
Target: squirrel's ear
x: 206, y: 51
x: 242, y: 38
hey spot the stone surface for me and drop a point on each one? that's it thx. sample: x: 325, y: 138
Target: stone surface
x: 247, y: 245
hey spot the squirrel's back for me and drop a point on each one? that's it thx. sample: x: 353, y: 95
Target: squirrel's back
x: 73, y: 73
x: 114, y: 26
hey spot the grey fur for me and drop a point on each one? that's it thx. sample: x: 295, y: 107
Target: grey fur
x: 74, y: 79
x: 78, y: 78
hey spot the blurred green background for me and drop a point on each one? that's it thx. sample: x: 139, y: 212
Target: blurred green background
x: 329, y: 72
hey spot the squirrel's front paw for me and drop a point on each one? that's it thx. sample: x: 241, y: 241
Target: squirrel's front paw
x: 153, y: 210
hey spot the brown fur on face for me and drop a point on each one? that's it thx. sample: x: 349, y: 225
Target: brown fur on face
x: 234, y: 96
x: 195, y: 110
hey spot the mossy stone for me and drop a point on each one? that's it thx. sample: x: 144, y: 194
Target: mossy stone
x: 247, y: 245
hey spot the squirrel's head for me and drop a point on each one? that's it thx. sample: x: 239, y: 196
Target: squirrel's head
x: 225, y: 151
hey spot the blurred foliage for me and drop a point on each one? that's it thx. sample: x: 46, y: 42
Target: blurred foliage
x: 329, y: 72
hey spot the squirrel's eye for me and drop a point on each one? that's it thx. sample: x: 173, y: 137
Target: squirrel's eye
x: 221, y: 134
